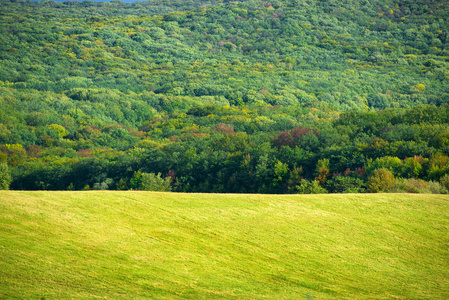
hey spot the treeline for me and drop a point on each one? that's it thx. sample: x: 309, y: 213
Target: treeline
x: 245, y: 150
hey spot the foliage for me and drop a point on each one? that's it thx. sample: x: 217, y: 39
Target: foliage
x: 444, y: 181
x: 350, y: 57
x: 421, y: 186
x: 436, y: 188
x: 5, y: 177
x: 103, y: 185
x: 393, y: 164
x: 150, y: 182
x: 310, y: 187
x: 381, y: 180
x: 294, y: 137
x: 242, y: 97
x: 345, y: 184
x: 322, y: 170
x: 412, y: 185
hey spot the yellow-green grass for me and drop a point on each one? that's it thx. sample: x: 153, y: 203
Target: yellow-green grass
x: 144, y: 245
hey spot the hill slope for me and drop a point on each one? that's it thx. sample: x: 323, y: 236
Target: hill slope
x: 223, y: 96
x: 353, y: 55
x: 170, y: 246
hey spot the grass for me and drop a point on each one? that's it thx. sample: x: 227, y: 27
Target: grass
x: 140, y: 245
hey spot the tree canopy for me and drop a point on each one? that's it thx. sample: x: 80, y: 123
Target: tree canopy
x: 218, y: 96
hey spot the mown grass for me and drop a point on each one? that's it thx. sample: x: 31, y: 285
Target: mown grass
x: 140, y: 245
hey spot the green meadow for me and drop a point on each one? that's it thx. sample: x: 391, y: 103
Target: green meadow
x: 147, y: 245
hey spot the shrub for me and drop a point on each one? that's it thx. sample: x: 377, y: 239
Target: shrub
x: 418, y: 186
x: 436, y: 188
x: 103, y: 185
x: 381, y: 180
x: 122, y: 185
x: 150, y: 182
x: 153, y: 182
x: 399, y: 186
x: 445, y: 181
x: 310, y: 187
x: 346, y: 184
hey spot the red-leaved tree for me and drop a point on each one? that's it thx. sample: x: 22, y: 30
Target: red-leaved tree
x: 292, y: 138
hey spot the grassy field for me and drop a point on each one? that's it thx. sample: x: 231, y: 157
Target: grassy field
x: 140, y: 245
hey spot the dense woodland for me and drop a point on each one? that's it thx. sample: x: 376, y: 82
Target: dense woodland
x: 214, y: 96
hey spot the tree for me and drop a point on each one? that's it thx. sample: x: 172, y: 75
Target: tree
x: 296, y: 137
x: 150, y: 182
x: 153, y: 182
x: 438, y: 166
x: 295, y: 178
x: 381, y: 180
x: 391, y: 163
x: 444, y: 181
x: 5, y: 177
x: 104, y: 185
x: 281, y: 172
x: 413, y: 167
x: 322, y: 170
x: 345, y: 184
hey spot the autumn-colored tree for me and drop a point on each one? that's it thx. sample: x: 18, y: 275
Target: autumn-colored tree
x: 292, y: 138
x: 381, y: 180
x: 322, y: 170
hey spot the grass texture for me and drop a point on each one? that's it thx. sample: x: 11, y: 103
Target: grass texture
x: 149, y: 245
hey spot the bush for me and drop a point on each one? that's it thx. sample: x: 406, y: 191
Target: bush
x: 150, y: 182
x: 444, y: 181
x: 310, y: 187
x: 346, y: 184
x: 153, y: 182
x: 437, y: 188
x: 381, y: 180
x: 418, y: 186
x: 104, y: 185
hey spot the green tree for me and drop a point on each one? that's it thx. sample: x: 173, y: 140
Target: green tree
x: 281, y: 172
x: 438, y: 166
x: 310, y: 187
x: 345, y: 184
x: 393, y: 164
x: 295, y: 179
x: 412, y: 167
x: 5, y: 177
x: 150, y: 182
x: 153, y: 182
x: 122, y: 185
x: 444, y: 181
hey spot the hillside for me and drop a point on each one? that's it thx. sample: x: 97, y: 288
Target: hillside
x: 217, y: 96
x: 138, y: 245
x: 351, y: 55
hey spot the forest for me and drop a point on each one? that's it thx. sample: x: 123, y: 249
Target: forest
x: 219, y: 96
